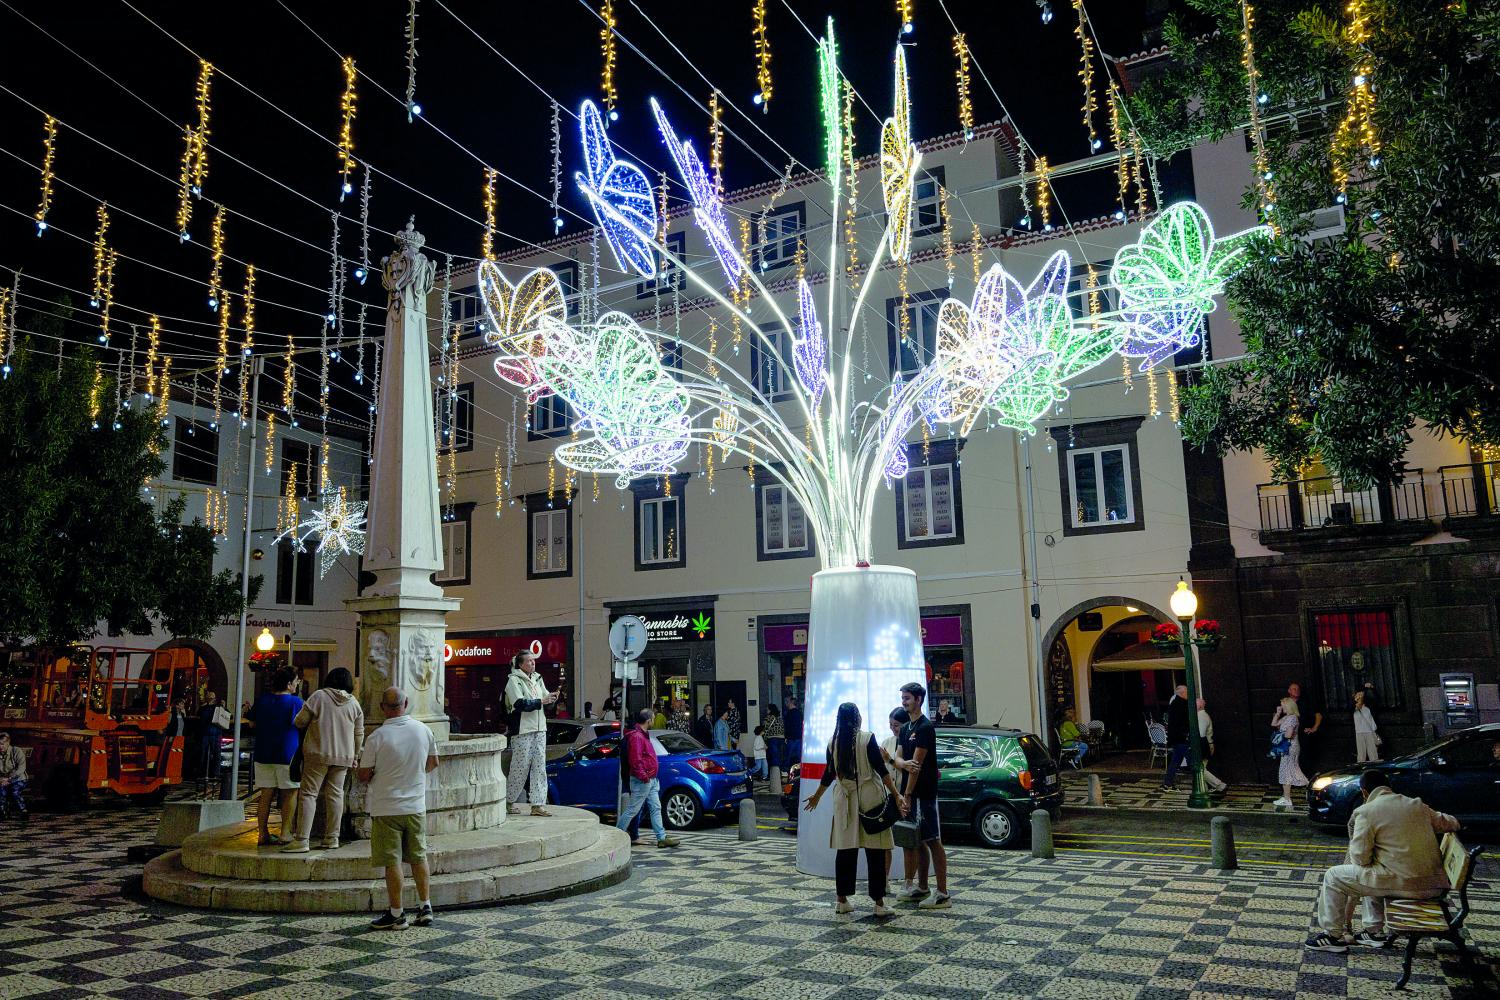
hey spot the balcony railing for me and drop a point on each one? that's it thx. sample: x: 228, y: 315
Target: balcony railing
x: 1323, y: 502
x: 1471, y: 490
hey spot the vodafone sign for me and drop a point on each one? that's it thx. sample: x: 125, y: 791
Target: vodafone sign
x: 497, y: 650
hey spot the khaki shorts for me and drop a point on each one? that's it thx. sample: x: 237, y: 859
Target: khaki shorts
x: 394, y: 839
x: 275, y: 776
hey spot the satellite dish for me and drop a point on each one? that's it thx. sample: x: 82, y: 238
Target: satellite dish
x: 627, y: 637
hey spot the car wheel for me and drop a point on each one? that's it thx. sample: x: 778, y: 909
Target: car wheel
x: 680, y: 810
x: 996, y: 826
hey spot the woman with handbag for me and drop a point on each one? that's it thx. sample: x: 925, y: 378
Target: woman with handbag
x: 863, y: 811
x: 1285, y: 722
x: 1366, y: 740
x: 333, y: 725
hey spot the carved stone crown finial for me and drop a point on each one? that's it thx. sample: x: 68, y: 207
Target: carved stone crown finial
x: 409, y: 239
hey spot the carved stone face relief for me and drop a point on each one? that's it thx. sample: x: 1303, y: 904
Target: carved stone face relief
x: 378, y: 659
x: 421, y: 664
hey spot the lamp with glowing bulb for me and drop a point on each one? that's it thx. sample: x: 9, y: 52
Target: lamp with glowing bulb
x: 265, y: 641
x: 1184, y: 604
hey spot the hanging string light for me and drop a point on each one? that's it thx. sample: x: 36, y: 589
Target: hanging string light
x: 221, y: 359
x: 948, y: 249
x: 1153, y: 398
x: 335, y: 269
x: 5, y: 309
x: 1263, y: 173
x: 8, y: 325
x: 1356, y: 133
x: 1138, y: 161
x: 716, y: 141
x: 487, y: 240
x: 762, y: 57
x: 247, y: 344
x: 153, y: 345
x: 101, y: 254
x: 743, y: 296
x: 363, y: 270
x: 1044, y: 191
x: 107, y: 296
x: 903, y: 11
x: 551, y: 477
x: 976, y: 252
x: 851, y: 201
x: 163, y: 399
x: 412, y: 107
x: 450, y: 400
x: 1117, y: 140
x: 216, y: 246
x: 347, y: 105
x: 1086, y: 74
x: 1174, y: 408
x: 499, y: 483
x: 961, y: 73
x: 607, y: 43
x: 194, y: 168
x: 557, y: 221
x: 49, y: 156
x: 289, y: 383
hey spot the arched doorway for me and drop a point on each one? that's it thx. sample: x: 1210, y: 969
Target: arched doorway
x: 211, y: 674
x: 1119, y: 691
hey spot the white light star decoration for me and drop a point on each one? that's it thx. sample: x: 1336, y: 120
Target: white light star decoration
x: 831, y: 439
x: 338, y: 525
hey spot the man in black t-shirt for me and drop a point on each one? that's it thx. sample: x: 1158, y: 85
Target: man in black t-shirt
x: 918, y: 741
x: 1309, y: 722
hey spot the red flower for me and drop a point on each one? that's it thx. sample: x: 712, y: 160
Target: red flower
x: 1166, y: 632
x: 1207, y: 626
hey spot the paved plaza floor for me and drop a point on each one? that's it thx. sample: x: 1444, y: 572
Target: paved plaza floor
x: 715, y: 918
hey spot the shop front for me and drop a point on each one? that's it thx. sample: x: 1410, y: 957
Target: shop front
x: 947, y: 646
x: 477, y: 665
x: 679, y: 658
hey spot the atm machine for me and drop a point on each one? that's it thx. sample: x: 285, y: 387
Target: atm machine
x: 1460, y: 708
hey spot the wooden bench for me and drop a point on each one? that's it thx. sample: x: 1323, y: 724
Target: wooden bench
x: 1419, y: 918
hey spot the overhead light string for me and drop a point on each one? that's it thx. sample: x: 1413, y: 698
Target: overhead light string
x: 363, y: 270
x: 216, y: 247
x: 101, y: 254
x: 5, y: 310
x: 1122, y: 152
x: 903, y: 11
x: 49, y: 158
x: 961, y: 76
x: 289, y: 382
x: 153, y: 346
x: 1263, y: 174
x: 221, y: 359
x: 1044, y: 191
x: 1356, y: 132
x: 762, y: 57
x: 557, y: 220
x: 247, y: 345
x: 194, y: 169
x: 487, y: 239
x: 107, y: 296
x: 1086, y: 75
x: 607, y: 44
x: 412, y: 107
x: 348, y: 107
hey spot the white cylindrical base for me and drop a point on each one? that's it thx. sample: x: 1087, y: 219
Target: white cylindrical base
x: 864, y: 642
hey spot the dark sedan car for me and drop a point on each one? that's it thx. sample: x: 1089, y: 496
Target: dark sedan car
x: 990, y: 781
x: 1459, y: 774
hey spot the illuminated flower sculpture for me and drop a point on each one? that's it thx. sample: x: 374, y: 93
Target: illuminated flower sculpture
x: 1004, y: 358
x: 338, y: 525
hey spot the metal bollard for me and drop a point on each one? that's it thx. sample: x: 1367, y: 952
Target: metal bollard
x: 1096, y: 791
x: 1041, y: 834
x: 747, y: 820
x: 1221, y: 834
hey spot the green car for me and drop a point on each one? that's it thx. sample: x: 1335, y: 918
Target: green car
x: 991, y: 780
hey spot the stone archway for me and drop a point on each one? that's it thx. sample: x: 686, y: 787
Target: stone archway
x: 1054, y: 636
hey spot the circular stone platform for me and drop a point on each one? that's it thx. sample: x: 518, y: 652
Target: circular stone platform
x: 527, y: 858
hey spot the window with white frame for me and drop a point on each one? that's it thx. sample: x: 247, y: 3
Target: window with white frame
x: 1099, y: 486
x: 661, y: 520
x: 668, y: 274
x: 914, y: 348
x: 768, y: 365
x: 549, y: 417
x: 927, y: 202
x: 455, y: 532
x: 928, y: 507
x: 783, y: 523
x: 466, y: 311
x: 550, y: 545
x: 779, y: 230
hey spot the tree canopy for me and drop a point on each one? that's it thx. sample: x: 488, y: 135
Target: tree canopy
x: 1355, y: 339
x: 84, y: 542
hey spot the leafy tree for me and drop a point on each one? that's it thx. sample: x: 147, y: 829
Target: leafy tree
x: 1353, y: 340
x: 83, y: 542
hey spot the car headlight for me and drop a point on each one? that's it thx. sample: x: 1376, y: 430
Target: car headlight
x: 1321, y: 783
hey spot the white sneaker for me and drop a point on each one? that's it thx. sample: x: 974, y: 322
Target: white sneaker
x: 881, y: 910
x: 941, y: 901
x: 296, y: 847
x: 1282, y: 803
x: 843, y: 908
x: 912, y: 893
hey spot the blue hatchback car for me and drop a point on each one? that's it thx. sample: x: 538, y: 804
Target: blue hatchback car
x: 694, y: 780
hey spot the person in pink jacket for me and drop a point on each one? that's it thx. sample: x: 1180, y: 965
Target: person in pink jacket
x: 333, y: 726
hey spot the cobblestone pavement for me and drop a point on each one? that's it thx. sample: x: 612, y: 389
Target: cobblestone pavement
x: 715, y: 918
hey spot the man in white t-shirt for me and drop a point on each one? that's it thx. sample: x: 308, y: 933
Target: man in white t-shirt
x: 395, y: 761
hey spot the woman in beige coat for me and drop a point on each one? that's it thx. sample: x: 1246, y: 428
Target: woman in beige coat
x: 857, y: 770
x: 334, y: 735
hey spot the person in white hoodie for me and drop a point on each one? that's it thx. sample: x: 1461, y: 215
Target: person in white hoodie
x: 1366, y: 743
x: 525, y: 695
x: 333, y: 726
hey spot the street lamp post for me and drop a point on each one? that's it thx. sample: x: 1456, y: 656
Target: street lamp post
x: 1184, y: 605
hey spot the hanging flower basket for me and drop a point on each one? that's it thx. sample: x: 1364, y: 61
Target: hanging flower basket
x: 1167, y: 637
x: 1206, y: 634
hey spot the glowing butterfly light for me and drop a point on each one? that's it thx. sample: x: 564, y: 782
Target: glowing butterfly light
x: 899, y: 160
x: 810, y: 351
x: 516, y: 315
x: 1168, y: 278
x: 624, y: 188
x: 338, y: 525
x: 708, y: 206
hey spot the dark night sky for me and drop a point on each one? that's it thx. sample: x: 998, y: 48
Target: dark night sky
x: 468, y: 93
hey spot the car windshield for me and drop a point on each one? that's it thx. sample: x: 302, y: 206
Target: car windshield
x: 675, y: 742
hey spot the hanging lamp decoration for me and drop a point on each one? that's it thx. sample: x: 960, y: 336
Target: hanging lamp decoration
x: 107, y: 295
x: 1086, y: 75
x: 153, y: 346
x: 961, y: 76
x: 338, y: 524
x: 362, y: 271
x: 216, y: 247
x: 903, y: 11
x: 762, y: 56
x: 247, y: 344
x: 289, y: 382
x: 1043, y: 171
x: 1005, y: 355
x: 163, y: 398
x: 8, y: 325
x: 96, y: 395
x: 194, y: 168
x: 348, y: 106
x: 1263, y: 173
x: 1356, y: 135
x: 221, y: 359
x: 716, y: 141
x: 487, y: 239
x: 557, y: 220
x: 5, y: 311
x: 622, y: 186
x: 607, y: 45
x: 1122, y: 152
x: 49, y: 157
x: 851, y: 197
x: 412, y: 107
x: 101, y: 254
x: 499, y: 483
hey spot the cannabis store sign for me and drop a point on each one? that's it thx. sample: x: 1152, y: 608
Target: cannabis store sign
x: 678, y: 626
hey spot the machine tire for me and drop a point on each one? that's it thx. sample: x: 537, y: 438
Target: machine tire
x: 996, y: 826
x: 65, y: 791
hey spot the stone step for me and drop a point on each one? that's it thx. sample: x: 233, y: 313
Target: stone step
x: 604, y: 862
x: 231, y: 851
